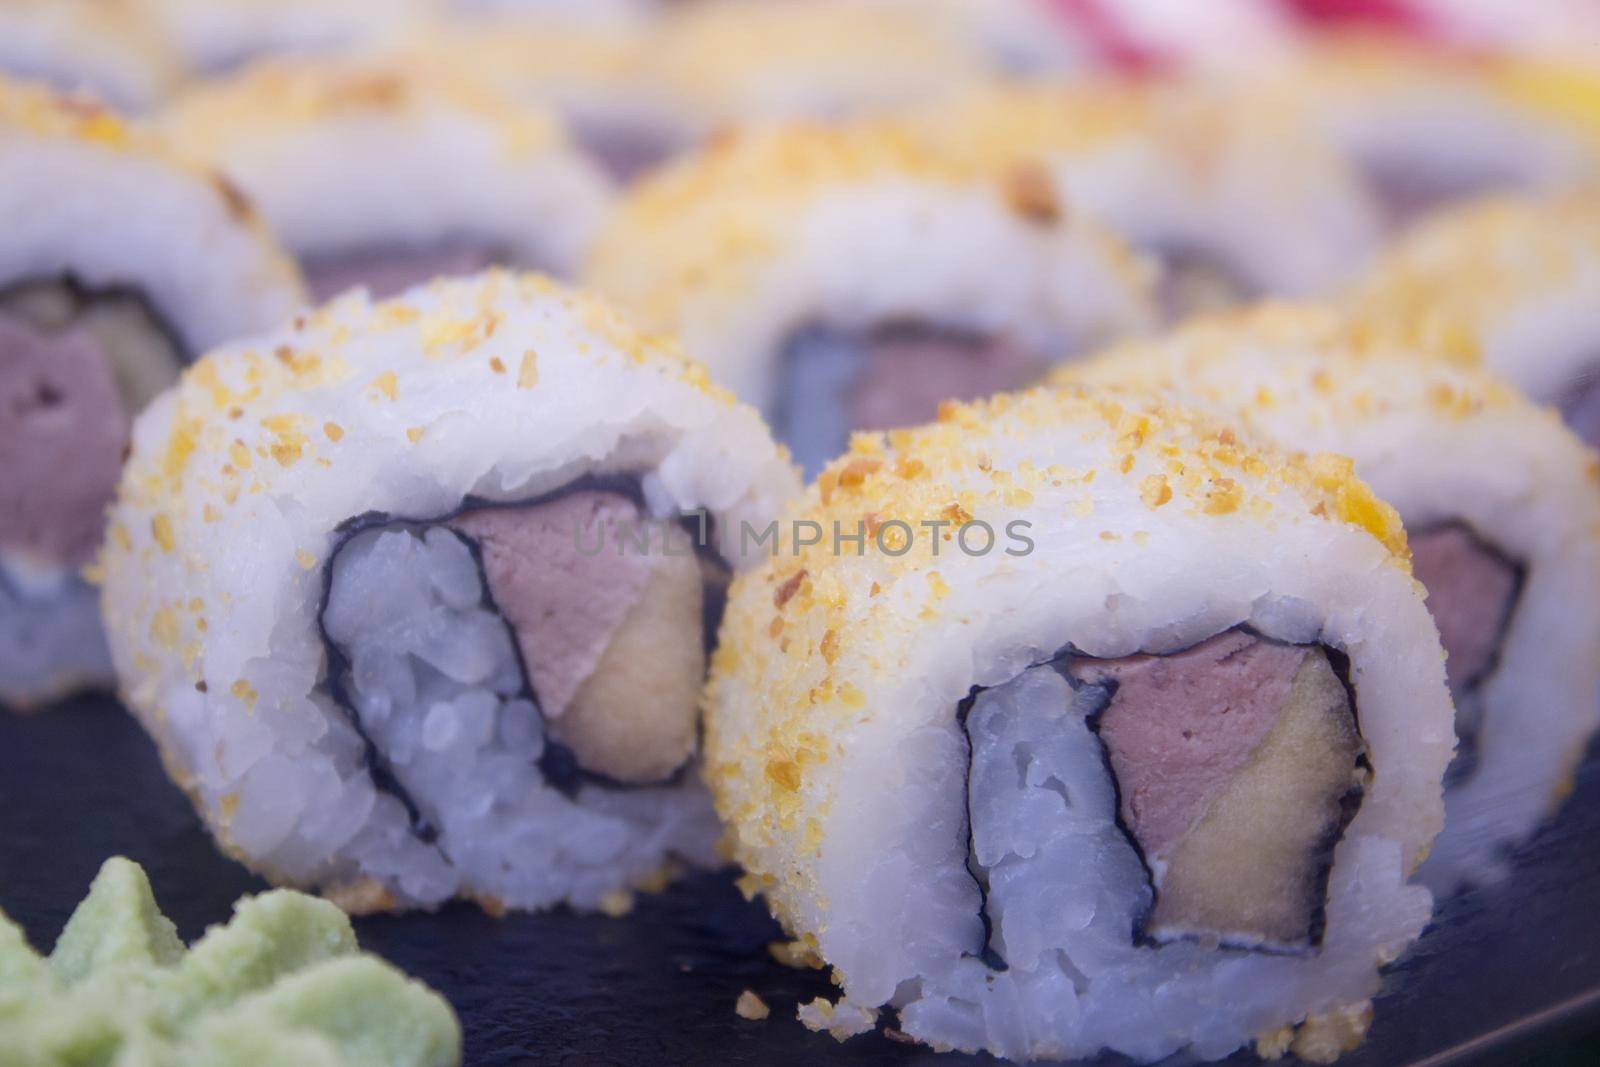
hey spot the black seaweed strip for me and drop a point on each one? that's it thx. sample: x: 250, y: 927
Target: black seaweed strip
x: 1349, y: 804
x: 557, y: 764
x: 987, y: 954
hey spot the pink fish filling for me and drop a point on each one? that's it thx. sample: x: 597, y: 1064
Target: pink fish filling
x: 1471, y: 592
x: 387, y: 270
x: 609, y: 626
x: 563, y: 604
x: 1181, y: 725
x: 62, y: 431
x: 1235, y: 760
x: 909, y: 371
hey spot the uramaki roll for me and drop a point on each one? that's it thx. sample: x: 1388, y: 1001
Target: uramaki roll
x: 595, y: 72
x: 1427, y: 126
x: 853, y: 277
x: 218, y: 36
x: 405, y: 594
x: 1023, y: 38
x: 1511, y: 284
x: 593, y: 12
x: 375, y: 173
x: 732, y: 61
x: 1502, y: 506
x: 1229, y: 192
x: 119, y: 264
x: 1117, y: 731
x: 99, y: 46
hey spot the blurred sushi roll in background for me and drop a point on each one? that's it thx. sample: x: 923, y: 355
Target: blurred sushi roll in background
x: 102, y: 47
x: 1502, y: 506
x: 1428, y: 126
x: 1513, y: 284
x: 1122, y: 732
x: 730, y: 61
x: 1226, y: 191
x: 595, y: 73
x: 595, y: 11
x: 376, y: 175
x: 1019, y: 38
x: 402, y: 593
x: 119, y: 265
x: 216, y: 36
x: 640, y: 90
x: 853, y: 277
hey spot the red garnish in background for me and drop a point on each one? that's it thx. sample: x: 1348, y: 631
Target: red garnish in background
x: 1395, y: 16
x: 1097, y: 23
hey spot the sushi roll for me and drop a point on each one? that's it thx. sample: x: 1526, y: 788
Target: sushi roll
x: 595, y: 73
x: 1118, y: 732
x: 377, y: 175
x: 1023, y: 38
x: 218, y: 36
x: 1512, y: 284
x: 119, y: 265
x: 1502, y: 505
x: 416, y: 596
x: 731, y: 61
x: 1427, y: 127
x: 1232, y: 198
x: 593, y: 11
x: 843, y: 278
x: 96, y: 46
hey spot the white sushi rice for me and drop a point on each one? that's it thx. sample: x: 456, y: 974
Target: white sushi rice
x: 835, y: 752
x: 502, y: 388
x: 99, y: 46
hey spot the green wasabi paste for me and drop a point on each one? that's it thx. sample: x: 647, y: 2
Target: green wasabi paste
x: 282, y: 983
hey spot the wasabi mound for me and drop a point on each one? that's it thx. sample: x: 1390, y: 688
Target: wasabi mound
x: 283, y: 982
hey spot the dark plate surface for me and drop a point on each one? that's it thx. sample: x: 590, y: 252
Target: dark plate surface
x: 1502, y: 974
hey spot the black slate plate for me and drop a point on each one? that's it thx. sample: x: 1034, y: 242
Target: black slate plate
x: 1503, y: 972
